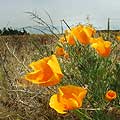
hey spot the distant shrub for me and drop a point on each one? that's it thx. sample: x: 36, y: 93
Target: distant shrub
x: 11, y: 31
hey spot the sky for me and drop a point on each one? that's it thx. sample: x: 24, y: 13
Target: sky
x: 13, y: 12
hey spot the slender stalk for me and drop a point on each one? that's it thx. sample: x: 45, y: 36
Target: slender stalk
x: 16, y: 57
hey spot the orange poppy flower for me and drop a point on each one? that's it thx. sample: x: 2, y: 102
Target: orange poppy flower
x: 118, y: 37
x: 102, y: 47
x: 69, y: 97
x: 46, y: 72
x: 90, y: 30
x: 83, y: 33
x: 95, y: 40
x: 59, y: 51
x: 70, y: 39
x: 110, y: 95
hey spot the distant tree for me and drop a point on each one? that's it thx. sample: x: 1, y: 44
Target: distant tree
x: 5, y: 31
x: 11, y: 31
x: 24, y: 32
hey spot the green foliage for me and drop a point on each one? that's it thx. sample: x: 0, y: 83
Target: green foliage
x: 100, y: 74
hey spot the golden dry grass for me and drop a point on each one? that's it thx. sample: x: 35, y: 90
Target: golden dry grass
x: 19, y: 99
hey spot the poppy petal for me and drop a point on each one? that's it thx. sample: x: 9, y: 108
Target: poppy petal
x: 56, y: 105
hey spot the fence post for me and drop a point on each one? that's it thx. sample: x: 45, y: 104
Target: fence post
x: 108, y: 28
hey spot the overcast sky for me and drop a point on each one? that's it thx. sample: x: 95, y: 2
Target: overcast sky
x: 12, y: 12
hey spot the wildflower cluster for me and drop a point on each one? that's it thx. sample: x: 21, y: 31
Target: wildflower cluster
x: 83, y: 35
x: 47, y: 71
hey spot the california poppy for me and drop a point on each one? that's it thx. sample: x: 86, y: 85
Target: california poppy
x: 83, y: 33
x: 102, y: 47
x: 46, y: 72
x: 59, y: 51
x: 95, y: 40
x: 110, y: 95
x: 70, y: 39
x: 69, y: 97
x: 118, y: 37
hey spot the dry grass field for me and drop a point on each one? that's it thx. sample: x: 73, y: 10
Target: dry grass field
x: 20, y: 99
